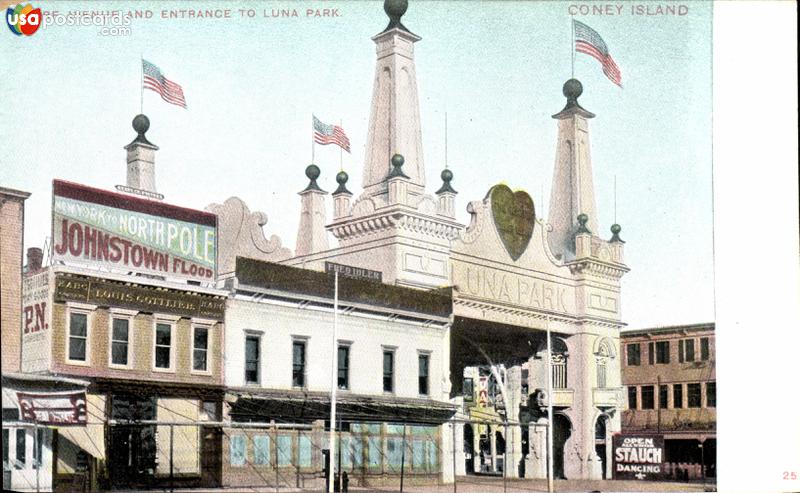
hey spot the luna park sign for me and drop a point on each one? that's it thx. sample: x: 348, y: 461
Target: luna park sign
x: 514, y: 216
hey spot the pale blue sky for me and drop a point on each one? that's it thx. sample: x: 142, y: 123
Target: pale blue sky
x: 496, y: 67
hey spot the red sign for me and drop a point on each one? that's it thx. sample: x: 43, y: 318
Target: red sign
x: 53, y: 408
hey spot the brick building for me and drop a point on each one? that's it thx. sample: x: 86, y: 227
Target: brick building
x: 670, y: 382
x: 12, y: 220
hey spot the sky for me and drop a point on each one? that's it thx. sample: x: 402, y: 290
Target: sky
x: 495, y: 68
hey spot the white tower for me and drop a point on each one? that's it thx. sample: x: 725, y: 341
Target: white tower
x: 141, y: 158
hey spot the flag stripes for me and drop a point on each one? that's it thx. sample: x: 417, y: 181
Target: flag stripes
x: 325, y: 134
x: 589, y: 42
x: 153, y: 79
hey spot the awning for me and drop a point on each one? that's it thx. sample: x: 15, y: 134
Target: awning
x: 90, y: 438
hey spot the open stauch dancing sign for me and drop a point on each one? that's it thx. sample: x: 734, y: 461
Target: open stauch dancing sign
x: 638, y: 457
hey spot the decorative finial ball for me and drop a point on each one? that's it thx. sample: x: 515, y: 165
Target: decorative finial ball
x: 583, y: 218
x: 312, y: 172
x: 141, y: 123
x: 398, y: 160
x: 616, y: 228
x: 573, y: 88
x: 341, y: 178
x: 395, y: 8
x: 447, y: 175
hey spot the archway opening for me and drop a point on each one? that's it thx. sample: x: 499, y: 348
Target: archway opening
x: 562, y: 429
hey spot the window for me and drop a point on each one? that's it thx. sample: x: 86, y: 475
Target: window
x: 200, y: 349
x: 685, y: 350
x: 163, y: 353
x: 693, y: 394
x: 424, y: 363
x: 6, y: 432
x: 298, y: 364
x: 343, y: 367
x: 651, y: 353
x: 209, y: 411
x: 22, y: 460
x: 78, y: 334
x: 252, y: 355
x: 284, y: 450
x: 238, y: 450
x: 119, y: 341
x: 37, y: 459
x: 469, y: 389
x: 704, y: 349
x: 388, y: 371
x: 677, y: 395
x: 711, y: 394
x: 524, y: 386
x: 648, y: 397
x: 663, y: 396
x: 634, y: 352
x: 632, y: 398
x: 662, y: 352
x: 261, y: 450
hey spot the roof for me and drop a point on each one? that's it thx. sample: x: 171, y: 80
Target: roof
x: 671, y: 329
x: 12, y: 193
x: 283, y: 278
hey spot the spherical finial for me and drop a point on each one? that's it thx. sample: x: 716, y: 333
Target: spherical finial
x: 141, y: 123
x: 583, y: 218
x: 398, y: 160
x: 572, y: 89
x: 615, y: 229
x: 312, y: 172
x: 341, y: 178
x: 395, y: 8
x: 447, y: 175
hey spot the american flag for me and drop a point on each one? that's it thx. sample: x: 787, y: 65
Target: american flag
x: 588, y: 41
x: 330, y: 134
x: 153, y: 79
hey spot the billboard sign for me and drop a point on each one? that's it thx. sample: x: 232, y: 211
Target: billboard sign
x: 638, y: 457
x: 35, y: 321
x: 120, y: 232
x: 67, y: 408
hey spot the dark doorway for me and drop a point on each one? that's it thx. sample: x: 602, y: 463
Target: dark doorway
x: 133, y: 461
x: 561, y: 433
x: 600, y: 443
x: 469, y: 449
x: 211, y: 456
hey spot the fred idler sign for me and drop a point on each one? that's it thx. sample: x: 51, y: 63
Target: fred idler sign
x: 127, y: 233
x: 638, y: 457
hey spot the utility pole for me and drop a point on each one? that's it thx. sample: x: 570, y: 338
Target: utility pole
x: 334, y: 354
x: 549, y: 410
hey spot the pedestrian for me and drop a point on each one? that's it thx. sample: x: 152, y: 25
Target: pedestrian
x: 345, y: 482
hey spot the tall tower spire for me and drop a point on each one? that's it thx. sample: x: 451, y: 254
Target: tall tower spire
x: 394, y: 126
x: 572, y: 192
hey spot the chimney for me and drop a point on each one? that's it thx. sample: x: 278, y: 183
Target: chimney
x: 311, y: 235
x: 141, y: 158
x: 34, y: 263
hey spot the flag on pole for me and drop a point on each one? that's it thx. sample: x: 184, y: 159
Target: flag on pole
x: 153, y: 79
x: 589, y: 42
x: 330, y: 134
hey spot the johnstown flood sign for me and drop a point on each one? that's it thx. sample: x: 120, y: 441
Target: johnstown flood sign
x: 514, y: 217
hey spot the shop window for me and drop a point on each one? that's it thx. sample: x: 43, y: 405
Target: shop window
x: 78, y: 335
x: 711, y: 394
x: 388, y: 370
x: 304, y: 450
x: 663, y: 396
x: 238, y: 450
x: 693, y: 394
x: 424, y: 367
x: 261, y: 450
x: 648, y: 397
x: 37, y: 459
x: 163, y: 346
x: 284, y: 450
x: 632, y: 404
x: 677, y: 395
x: 662, y: 352
x: 343, y: 367
x: 634, y: 352
x: 200, y: 349
x: 704, y: 349
x: 22, y: 459
x: 299, y: 363
x: 394, y: 452
x: 252, y: 359
x: 120, y: 341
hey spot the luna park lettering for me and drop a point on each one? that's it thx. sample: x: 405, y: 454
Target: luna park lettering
x: 515, y: 289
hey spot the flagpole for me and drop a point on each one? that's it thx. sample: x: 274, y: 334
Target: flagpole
x: 445, y: 140
x: 341, y: 167
x: 334, y: 355
x: 141, y: 83
x: 312, y: 138
x: 572, y: 48
x: 550, y: 447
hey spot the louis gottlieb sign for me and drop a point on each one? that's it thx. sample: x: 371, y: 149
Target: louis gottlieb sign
x: 108, y: 229
x: 143, y: 298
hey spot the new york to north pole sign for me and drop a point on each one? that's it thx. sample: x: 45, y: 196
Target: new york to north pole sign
x: 638, y: 457
x: 101, y: 228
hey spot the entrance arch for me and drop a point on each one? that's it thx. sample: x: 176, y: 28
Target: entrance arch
x: 601, y: 443
x: 469, y: 449
x: 562, y: 429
